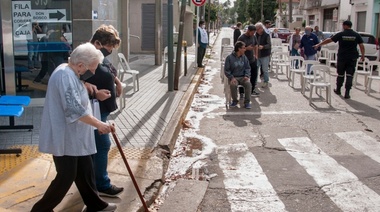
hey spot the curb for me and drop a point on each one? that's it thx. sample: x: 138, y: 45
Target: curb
x: 166, y: 144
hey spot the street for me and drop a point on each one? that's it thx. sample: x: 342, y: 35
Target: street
x: 283, y: 154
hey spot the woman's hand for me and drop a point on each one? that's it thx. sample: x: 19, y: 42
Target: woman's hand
x: 103, y: 94
x: 91, y: 89
x: 105, y: 128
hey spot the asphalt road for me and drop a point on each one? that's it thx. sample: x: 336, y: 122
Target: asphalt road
x: 287, y: 155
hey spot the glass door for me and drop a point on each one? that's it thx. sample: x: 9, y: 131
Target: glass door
x: 41, y: 41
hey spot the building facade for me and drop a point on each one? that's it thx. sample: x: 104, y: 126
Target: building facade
x: 365, y: 16
x: 327, y: 14
x: 25, y: 22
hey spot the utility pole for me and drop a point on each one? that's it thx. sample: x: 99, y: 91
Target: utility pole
x: 262, y: 10
x: 290, y: 11
x: 208, y: 19
x: 179, y: 44
x: 158, y: 40
x: 170, y: 46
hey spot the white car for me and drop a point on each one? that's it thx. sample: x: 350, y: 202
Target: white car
x: 371, y: 46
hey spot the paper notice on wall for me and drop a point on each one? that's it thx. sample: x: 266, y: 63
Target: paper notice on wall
x: 22, y: 20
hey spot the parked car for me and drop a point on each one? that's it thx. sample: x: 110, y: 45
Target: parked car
x: 371, y: 45
x: 283, y: 33
x: 327, y: 35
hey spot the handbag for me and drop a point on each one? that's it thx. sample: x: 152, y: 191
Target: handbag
x: 95, y: 108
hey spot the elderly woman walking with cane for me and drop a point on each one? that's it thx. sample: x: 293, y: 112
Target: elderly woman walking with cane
x: 67, y: 131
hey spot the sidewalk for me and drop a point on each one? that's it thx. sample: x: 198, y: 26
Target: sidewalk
x: 146, y: 127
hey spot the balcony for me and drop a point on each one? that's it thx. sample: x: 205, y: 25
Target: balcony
x: 312, y: 4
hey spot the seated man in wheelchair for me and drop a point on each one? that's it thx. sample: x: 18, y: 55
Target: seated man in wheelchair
x: 238, y: 72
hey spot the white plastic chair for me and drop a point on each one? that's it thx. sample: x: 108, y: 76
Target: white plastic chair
x: 276, y: 42
x: 332, y: 57
x: 307, y: 77
x: 365, y: 71
x: 226, y: 41
x: 323, y: 55
x: 293, y: 61
x: 127, y: 70
x: 120, y: 75
x: 283, y: 61
x: 321, y: 80
x: 274, y: 57
x: 166, y: 59
x: 371, y: 76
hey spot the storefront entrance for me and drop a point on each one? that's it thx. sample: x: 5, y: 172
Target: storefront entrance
x: 35, y: 38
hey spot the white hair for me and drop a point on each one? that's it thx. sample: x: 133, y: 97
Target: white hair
x: 87, y: 54
x: 259, y: 25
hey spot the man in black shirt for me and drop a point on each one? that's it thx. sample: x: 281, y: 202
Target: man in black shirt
x: 347, y: 55
x: 237, y: 32
x: 251, y: 51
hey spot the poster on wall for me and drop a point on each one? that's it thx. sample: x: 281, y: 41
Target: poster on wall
x: 22, y: 20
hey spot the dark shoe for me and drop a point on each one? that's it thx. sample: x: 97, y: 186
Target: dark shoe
x: 254, y: 93
x: 113, y: 191
x: 247, y: 105
x: 110, y: 207
x: 233, y: 104
x: 347, y: 95
x: 337, y: 91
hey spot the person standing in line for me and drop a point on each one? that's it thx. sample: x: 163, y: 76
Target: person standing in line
x: 275, y: 33
x: 294, y: 42
x: 347, y: 56
x: 106, y: 38
x: 202, y: 43
x: 237, y: 32
x: 318, y: 33
x: 307, y: 43
x: 264, y: 50
x: 251, y: 53
x: 238, y: 72
x: 33, y: 57
x: 68, y: 135
x: 267, y: 25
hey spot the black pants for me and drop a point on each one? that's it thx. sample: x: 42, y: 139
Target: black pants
x: 345, y: 67
x: 78, y: 169
x: 253, y: 77
x: 200, y: 55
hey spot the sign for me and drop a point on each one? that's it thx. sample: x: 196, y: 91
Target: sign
x: 198, y: 3
x: 24, y: 16
x: 51, y: 15
x: 22, y: 20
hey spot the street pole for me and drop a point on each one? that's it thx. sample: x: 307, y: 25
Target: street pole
x: 170, y: 46
x: 208, y: 19
x: 196, y: 39
x: 158, y: 23
x: 262, y: 10
x: 290, y: 11
x: 179, y: 44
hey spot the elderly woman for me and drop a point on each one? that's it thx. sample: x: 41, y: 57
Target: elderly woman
x: 106, y: 38
x: 67, y: 131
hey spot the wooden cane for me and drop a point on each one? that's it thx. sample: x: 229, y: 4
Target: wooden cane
x: 129, y: 169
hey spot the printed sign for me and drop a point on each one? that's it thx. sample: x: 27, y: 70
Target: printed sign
x: 24, y: 16
x: 22, y: 20
x: 198, y: 3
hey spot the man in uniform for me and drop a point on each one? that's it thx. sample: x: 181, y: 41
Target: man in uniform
x: 347, y: 55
